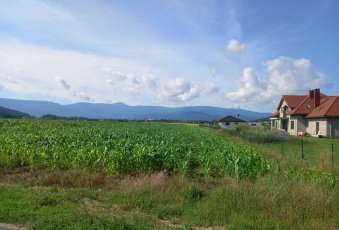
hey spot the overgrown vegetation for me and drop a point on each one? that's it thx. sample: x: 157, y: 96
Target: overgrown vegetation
x: 194, y: 191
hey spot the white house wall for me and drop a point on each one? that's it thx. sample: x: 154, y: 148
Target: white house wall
x: 322, y: 126
x: 282, y: 113
x: 300, y: 124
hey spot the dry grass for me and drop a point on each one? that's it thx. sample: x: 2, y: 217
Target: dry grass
x: 271, y: 199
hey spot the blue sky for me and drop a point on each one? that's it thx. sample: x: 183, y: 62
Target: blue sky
x: 226, y: 53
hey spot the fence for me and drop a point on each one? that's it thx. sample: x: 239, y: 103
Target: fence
x: 309, y: 151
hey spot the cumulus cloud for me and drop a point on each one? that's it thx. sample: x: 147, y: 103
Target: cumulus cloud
x: 284, y: 75
x: 151, y: 81
x: 294, y: 75
x: 234, y: 46
x: 63, y: 83
x: 178, y: 89
x: 1, y: 87
x: 119, y: 76
x: 251, y: 88
x: 208, y: 88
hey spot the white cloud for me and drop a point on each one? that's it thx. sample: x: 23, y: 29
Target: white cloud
x: 119, y: 76
x: 284, y: 75
x: 151, y: 81
x: 133, y: 92
x: 251, y: 88
x: 83, y: 96
x: 234, y: 46
x: 178, y: 89
x: 208, y: 88
x: 109, y: 81
x: 294, y: 75
x: 63, y: 83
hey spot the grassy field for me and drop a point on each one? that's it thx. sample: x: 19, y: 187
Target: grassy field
x: 300, y: 150
x: 105, y: 175
x: 311, y: 151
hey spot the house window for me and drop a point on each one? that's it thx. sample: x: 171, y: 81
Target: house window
x: 292, y: 124
x: 227, y: 123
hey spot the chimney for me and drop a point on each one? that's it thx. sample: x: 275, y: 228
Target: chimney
x: 311, y: 93
x: 316, y: 93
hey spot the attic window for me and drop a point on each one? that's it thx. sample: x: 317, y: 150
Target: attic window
x: 321, y: 108
x: 307, y: 106
x: 326, y: 99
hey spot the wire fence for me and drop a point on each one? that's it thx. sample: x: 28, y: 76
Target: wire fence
x: 310, y: 151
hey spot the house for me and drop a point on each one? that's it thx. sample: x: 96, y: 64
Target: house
x: 315, y: 113
x: 230, y: 121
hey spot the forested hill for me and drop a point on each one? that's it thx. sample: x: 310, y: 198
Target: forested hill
x: 10, y: 113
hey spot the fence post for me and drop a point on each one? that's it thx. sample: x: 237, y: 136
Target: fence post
x: 302, y: 150
x: 332, y: 156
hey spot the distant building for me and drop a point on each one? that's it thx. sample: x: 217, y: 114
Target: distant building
x: 231, y: 121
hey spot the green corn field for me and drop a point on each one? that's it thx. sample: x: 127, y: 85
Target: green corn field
x: 126, y: 148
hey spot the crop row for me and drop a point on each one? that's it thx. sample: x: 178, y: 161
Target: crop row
x: 126, y: 147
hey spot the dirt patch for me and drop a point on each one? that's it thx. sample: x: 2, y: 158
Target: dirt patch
x: 11, y: 227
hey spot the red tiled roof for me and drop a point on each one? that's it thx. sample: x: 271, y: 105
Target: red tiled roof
x: 291, y: 100
x: 276, y: 114
x: 329, y: 107
x: 306, y: 106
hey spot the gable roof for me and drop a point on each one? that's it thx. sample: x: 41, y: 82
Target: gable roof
x: 231, y: 119
x: 306, y: 106
x: 291, y: 100
x: 329, y: 107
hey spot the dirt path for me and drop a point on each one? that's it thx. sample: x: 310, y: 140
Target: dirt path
x: 10, y: 227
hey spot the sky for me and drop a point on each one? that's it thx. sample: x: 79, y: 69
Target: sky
x: 174, y: 53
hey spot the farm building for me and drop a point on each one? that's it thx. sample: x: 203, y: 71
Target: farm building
x: 315, y: 114
x: 230, y: 121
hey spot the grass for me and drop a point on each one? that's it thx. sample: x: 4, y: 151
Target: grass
x: 311, y: 152
x: 61, y: 199
x: 289, y: 196
x: 322, y: 153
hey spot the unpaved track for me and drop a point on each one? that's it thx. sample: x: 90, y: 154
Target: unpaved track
x: 10, y: 227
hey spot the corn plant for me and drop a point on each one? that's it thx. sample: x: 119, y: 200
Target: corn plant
x: 126, y: 147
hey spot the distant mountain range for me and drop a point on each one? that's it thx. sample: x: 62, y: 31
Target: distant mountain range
x: 123, y: 111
